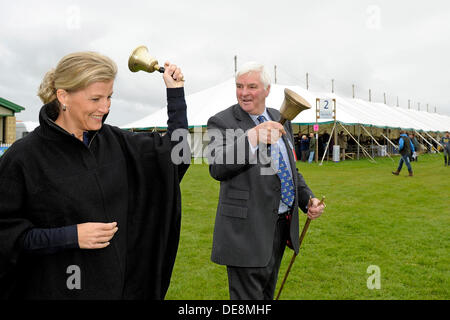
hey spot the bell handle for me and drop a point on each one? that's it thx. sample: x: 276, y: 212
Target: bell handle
x: 160, y: 69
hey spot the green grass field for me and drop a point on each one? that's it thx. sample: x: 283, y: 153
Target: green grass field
x: 397, y: 223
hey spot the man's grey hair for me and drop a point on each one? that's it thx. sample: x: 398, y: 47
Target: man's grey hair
x: 253, y: 66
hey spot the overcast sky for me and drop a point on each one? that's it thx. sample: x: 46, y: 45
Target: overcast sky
x: 398, y: 47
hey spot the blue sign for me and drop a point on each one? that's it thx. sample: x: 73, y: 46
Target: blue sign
x: 2, y: 150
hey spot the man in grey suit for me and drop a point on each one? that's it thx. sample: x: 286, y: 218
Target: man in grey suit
x: 251, y: 154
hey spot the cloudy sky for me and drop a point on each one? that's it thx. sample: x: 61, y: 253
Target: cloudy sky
x: 398, y: 47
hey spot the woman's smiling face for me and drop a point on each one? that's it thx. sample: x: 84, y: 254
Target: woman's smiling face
x: 85, y: 108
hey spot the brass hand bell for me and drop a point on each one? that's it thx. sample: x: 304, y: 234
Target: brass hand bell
x: 140, y: 59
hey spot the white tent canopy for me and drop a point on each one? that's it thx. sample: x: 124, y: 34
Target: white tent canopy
x: 204, y: 104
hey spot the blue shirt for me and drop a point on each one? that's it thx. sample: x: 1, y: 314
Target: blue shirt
x: 401, y: 143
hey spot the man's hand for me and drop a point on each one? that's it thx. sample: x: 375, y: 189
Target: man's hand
x: 94, y: 235
x: 315, y: 209
x: 267, y: 132
x: 173, y: 76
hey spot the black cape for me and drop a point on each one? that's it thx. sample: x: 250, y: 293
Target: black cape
x: 50, y: 179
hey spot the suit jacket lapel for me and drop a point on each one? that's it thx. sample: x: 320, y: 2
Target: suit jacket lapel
x: 244, y: 120
x: 274, y: 114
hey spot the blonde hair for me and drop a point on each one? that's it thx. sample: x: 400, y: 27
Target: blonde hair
x: 76, y: 71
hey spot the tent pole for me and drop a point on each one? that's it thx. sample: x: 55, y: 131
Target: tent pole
x: 328, y: 144
x: 275, y: 72
x: 358, y: 143
x: 433, y: 139
x: 377, y: 142
x: 432, y: 147
x: 336, y: 142
x: 359, y: 135
x: 316, y: 156
x: 395, y: 146
x: 371, y: 143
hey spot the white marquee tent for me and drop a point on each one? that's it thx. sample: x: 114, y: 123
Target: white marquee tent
x: 204, y: 104
x: 349, y: 112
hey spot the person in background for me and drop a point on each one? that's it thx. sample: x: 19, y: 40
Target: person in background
x: 445, y: 142
x: 304, y: 148
x: 405, y: 147
x: 312, y: 147
x: 414, y: 155
x: 342, y: 141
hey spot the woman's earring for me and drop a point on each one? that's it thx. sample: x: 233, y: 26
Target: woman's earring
x: 64, y: 107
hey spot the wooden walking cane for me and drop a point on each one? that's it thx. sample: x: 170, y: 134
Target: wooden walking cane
x: 305, y: 228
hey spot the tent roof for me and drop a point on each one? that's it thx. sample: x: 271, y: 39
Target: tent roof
x: 204, y: 104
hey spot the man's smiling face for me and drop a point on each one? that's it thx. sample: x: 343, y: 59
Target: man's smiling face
x: 250, y: 93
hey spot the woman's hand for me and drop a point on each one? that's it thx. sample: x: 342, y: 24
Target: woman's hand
x: 95, y: 235
x: 173, y: 76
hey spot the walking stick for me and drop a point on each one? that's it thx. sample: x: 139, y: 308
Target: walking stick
x: 305, y: 228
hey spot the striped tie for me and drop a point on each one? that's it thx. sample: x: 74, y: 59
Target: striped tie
x: 287, y: 186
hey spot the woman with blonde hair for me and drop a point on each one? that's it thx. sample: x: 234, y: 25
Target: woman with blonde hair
x: 87, y: 210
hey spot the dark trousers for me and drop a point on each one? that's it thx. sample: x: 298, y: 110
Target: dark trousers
x: 404, y: 159
x: 259, y: 283
x: 305, y: 154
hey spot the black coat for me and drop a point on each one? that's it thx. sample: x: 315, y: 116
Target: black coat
x: 51, y: 179
x: 304, y: 144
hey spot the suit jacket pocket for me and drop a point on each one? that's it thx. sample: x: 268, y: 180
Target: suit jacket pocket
x: 233, y: 211
x: 238, y: 194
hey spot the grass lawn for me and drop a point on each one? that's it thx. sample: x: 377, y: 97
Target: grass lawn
x: 397, y: 223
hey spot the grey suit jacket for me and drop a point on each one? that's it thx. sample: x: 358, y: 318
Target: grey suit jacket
x: 247, y: 211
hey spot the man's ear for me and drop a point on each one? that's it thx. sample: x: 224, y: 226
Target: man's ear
x: 267, y: 90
